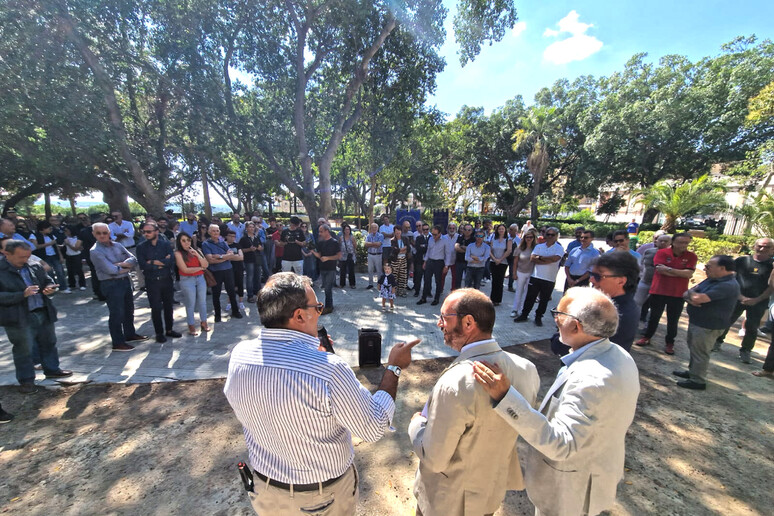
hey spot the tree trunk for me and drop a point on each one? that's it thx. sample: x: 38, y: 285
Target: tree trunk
x: 206, y: 193
x: 72, y: 206
x: 32, y: 189
x: 669, y: 224
x: 372, y: 201
x: 649, y: 216
x: 114, y: 194
x: 47, y: 204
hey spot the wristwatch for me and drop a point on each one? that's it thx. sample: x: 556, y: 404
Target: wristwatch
x: 220, y: 256
x: 395, y: 370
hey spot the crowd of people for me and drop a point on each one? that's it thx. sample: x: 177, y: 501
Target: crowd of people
x: 607, y: 293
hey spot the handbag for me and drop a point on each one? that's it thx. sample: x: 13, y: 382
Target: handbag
x: 209, y: 278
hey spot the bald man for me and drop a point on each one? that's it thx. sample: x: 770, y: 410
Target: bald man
x: 576, y: 437
x: 467, y: 453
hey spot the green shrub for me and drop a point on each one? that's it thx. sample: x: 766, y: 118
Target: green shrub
x: 706, y: 248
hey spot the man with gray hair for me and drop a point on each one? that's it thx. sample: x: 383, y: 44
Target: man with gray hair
x: 299, y: 406
x: 28, y: 315
x: 576, y: 437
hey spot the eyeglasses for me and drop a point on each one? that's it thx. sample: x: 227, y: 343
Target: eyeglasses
x: 597, y: 276
x: 620, y: 241
x: 585, y: 238
x: 550, y: 234
x: 555, y: 312
x: 442, y: 317
x: 149, y: 230
x: 319, y: 307
x: 101, y: 232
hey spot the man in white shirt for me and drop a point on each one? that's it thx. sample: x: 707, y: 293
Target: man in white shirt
x: 122, y: 231
x: 546, y: 258
x: 462, y: 469
x: 299, y: 406
x: 388, y: 231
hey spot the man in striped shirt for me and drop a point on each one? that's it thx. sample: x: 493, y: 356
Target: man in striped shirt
x: 299, y: 406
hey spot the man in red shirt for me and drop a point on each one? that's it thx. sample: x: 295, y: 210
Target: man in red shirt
x: 674, y: 267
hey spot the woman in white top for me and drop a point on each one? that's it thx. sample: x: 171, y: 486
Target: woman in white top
x: 500, y: 250
x: 73, y: 259
x: 526, y: 227
x: 522, y: 269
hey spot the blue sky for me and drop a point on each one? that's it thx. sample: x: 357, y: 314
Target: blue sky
x: 556, y: 39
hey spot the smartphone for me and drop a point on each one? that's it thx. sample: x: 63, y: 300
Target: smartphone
x: 325, y: 341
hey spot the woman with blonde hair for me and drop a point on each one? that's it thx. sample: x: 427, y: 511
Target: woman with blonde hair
x: 522, y: 269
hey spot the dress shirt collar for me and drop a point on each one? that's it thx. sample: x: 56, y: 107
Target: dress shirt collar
x: 292, y: 336
x: 480, y: 347
x: 574, y: 355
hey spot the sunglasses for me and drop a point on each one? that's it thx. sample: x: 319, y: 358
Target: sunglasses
x: 148, y: 230
x: 585, y: 238
x: 621, y: 241
x: 550, y: 234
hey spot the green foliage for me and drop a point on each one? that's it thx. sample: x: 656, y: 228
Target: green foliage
x: 585, y: 215
x: 706, y: 249
x: 701, y: 195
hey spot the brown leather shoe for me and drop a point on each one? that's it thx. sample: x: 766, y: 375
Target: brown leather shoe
x: 192, y: 330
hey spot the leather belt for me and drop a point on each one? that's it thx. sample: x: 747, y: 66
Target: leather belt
x: 299, y: 487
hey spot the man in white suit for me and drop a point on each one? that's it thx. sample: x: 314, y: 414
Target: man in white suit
x: 576, y: 437
x: 467, y: 453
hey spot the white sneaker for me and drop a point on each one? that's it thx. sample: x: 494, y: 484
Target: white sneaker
x: 742, y: 332
x: 66, y: 291
x: 241, y: 306
x: 228, y: 307
x: 82, y: 288
x: 513, y: 313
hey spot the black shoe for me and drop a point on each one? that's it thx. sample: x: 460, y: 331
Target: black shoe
x: 218, y: 317
x: 538, y: 321
x: 422, y: 301
x: 416, y: 294
x: 175, y: 302
x: 161, y: 338
x: 174, y: 334
x: 123, y: 347
x: 435, y: 302
x: 327, y: 310
x: 28, y: 388
x: 62, y: 373
x: 690, y: 384
x: 369, y: 287
x: 136, y: 338
x: 521, y: 318
x: 682, y: 374
x: 5, y: 417
x: 511, y: 289
x: 236, y: 315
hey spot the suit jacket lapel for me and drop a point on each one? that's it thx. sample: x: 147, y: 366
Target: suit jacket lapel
x: 558, y: 383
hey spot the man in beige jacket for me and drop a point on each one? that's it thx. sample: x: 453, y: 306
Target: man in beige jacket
x: 467, y: 453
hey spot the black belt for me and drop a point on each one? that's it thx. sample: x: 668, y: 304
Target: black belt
x: 40, y: 309
x: 115, y: 279
x: 376, y: 253
x: 299, y: 487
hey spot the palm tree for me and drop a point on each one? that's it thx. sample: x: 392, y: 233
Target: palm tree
x: 759, y: 214
x: 692, y: 197
x: 538, y: 133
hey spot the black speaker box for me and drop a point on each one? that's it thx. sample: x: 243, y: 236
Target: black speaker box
x: 369, y: 343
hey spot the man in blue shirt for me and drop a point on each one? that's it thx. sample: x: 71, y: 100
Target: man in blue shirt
x: 710, y: 304
x: 578, y: 265
x: 621, y: 243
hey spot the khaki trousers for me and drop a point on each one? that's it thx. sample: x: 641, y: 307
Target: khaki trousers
x: 337, y: 499
x: 700, y: 341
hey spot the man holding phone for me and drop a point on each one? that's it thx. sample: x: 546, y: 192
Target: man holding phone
x: 28, y: 315
x: 299, y: 406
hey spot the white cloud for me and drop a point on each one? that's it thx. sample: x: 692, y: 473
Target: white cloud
x: 519, y: 28
x: 577, y: 47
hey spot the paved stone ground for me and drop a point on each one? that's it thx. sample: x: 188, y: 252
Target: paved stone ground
x: 84, y: 342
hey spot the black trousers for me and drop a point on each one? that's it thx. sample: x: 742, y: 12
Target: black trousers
x: 347, y: 269
x: 95, y: 281
x: 510, y: 272
x: 538, y: 287
x: 753, y: 315
x: 498, y: 275
x: 418, y: 272
x: 434, y: 268
x: 674, y: 307
x: 160, y: 297
x: 224, y: 278
x: 75, y: 270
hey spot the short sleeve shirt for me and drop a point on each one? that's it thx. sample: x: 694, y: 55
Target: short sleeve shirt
x: 547, y: 271
x: 386, y: 228
x: 328, y: 247
x: 291, y: 237
x: 632, y: 228
x: 715, y: 315
x: 752, y: 276
x: 672, y: 286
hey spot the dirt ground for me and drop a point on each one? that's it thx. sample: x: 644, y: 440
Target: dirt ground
x: 171, y: 448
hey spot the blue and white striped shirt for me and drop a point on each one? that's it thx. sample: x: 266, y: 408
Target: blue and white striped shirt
x: 300, y: 406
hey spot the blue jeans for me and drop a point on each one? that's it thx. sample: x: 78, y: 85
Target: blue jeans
x: 473, y: 276
x: 253, y: 271
x: 310, y: 267
x: 194, y: 297
x: 56, y: 264
x: 328, y: 280
x: 39, y: 338
x: 118, y: 295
